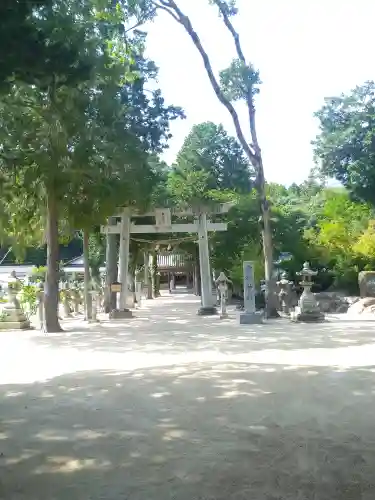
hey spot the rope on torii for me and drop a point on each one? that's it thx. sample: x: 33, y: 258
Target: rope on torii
x: 165, y: 242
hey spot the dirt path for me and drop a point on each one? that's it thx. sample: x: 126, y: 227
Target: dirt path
x: 174, y: 406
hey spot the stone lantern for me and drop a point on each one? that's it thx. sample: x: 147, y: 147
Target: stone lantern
x: 13, y: 317
x: 308, y: 308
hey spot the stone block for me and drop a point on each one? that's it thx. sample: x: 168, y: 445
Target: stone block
x: 117, y: 314
x: 207, y: 311
x: 306, y: 317
x: 246, y: 318
x: 15, y: 325
x: 366, y: 282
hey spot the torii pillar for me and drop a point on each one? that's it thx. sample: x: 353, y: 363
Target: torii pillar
x: 207, y: 308
x: 123, y: 268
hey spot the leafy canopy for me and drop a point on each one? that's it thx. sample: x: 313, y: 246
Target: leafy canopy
x: 345, y: 146
x: 209, y: 160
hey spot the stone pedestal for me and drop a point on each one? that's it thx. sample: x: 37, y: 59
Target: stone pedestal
x: 14, y: 319
x: 251, y: 318
x: 207, y: 311
x: 306, y: 317
x: 120, y: 314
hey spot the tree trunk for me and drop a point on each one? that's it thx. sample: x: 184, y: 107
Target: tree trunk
x: 252, y: 151
x: 51, y: 292
x: 111, y: 268
x: 87, y: 276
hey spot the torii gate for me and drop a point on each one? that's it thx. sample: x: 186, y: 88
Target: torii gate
x: 163, y: 224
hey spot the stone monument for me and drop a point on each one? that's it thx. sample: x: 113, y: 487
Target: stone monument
x: 250, y: 315
x: 12, y: 317
x: 308, y: 309
x: 366, y: 282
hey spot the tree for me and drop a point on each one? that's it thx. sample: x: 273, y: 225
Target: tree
x: 209, y: 149
x: 239, y: 82
x: 41, y: 40
x: 26, y: 53
x: 345, y: 146
x: 59, y: 137
x: 337, y: 240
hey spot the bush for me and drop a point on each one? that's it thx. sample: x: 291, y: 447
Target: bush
x: 28, y: 299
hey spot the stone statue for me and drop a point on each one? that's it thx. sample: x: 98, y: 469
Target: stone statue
x: 285, y: 293
x: 222, y: 285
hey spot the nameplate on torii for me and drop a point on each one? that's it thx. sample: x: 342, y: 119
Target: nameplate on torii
x: 172, y: 228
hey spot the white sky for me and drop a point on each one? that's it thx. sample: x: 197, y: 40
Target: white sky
x: 305, y: 50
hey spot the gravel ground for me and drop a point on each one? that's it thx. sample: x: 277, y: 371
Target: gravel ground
x: 172, y: 406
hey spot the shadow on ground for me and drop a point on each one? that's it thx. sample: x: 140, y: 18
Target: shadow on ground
x: 224, y: 432
x: 178, y: 332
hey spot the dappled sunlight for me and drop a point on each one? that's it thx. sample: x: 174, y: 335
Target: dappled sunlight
x: 67, y: 465
x: 169, y: 404
x: 198, y: 429
x: 170, y: 326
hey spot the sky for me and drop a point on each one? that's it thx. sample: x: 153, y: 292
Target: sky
x: 305, y: 50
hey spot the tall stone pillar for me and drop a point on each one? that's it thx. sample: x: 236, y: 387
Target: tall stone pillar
x: 111, y: 268
x: 249, y: 316
x: 123, y: 267
x: 207, y: 307
x: 123, y: 276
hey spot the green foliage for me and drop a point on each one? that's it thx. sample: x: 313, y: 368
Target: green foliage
x: 238, y: 80
x: 209, y: 161
x: 345, y: 146
x: 242, y: 233
x: 28, y: 299
x: 36, y: 42
x: 227, y: 6
x: 38, y: 274
x: 189, y: 187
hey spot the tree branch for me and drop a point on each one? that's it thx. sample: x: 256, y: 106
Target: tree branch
x: 140, y: 22
x: 241, y: 56
x: 186, y: 23
x: 164, y: 5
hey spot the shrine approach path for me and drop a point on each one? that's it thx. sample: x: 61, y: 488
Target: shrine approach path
x: 169, y: 405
